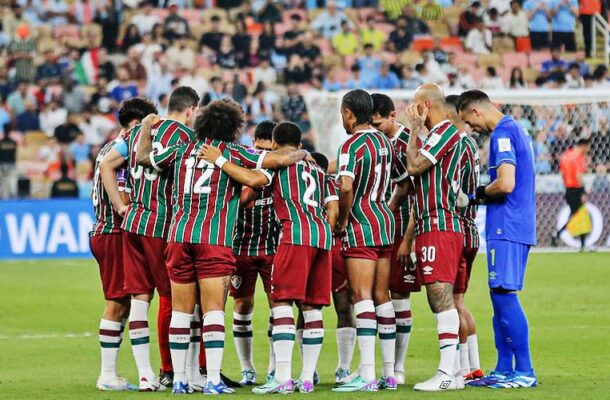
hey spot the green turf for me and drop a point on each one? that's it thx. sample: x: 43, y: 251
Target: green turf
x: 42, y: 303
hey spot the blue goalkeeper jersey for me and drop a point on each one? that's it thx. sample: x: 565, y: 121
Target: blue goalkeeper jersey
x: 514, y: 218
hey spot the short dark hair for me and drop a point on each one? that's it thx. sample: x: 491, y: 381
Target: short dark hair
x: 382, y: 104
x: 287, y: 133
x: 215, y: 18
x: 220, y: 120
x: 452, y: 100
x: 583, y: 142
x: 368, y: 46
x: 182, y: 98
x: 135, y: 108
x: 264, y: 130
x: 321, y: 160
x: 360, y: 103
x: 471, y: 96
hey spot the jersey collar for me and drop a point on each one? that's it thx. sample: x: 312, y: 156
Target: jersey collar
x: 435, y: 127
x: 400, y: 130
x: 371, y: 130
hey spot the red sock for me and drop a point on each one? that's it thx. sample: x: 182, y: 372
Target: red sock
x: 163, y: 319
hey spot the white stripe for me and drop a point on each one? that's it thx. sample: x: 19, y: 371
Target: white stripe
x: 429, y: 156
x: 347, y: 173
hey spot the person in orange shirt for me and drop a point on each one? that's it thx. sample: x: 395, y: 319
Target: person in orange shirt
x: 573, y: 165
x: 587, y: 9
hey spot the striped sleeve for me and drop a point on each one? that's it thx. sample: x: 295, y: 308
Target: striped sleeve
x: 330, y: 193
x: 399, y: 169
x: 438, y: 145
x: 249, y: 157
x: 346, y: 161
x: 161, y: 158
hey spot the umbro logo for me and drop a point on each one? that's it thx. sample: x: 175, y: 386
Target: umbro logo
x: 236, y: 281
x: 409, y: 279
x: 444, y: 385
x: 427, y: 270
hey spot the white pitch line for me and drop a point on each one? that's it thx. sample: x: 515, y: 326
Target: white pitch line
x: 29, y: 336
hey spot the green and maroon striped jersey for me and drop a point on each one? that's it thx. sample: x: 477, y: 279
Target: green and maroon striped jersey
x: 469, y: 175
x: 106, y: 218
x: 256, y: 231
x: 436, y: 189
x: 149, y: 212
x: 368, y: 157
x: 205, y: 200
x: 300, y: 193
x: 400, y: 141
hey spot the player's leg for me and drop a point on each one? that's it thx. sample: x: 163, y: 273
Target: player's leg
x: 195, y: 379
x: 346, y: 325
x: 386, y: 322
x: 265, y: 274
x: 183, y: 307
x: 438, y: 255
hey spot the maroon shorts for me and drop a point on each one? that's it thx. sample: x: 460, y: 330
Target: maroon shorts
x: 301, y: 273
x: 464, y: 270
x: 188, y: 262
x: 243, y: 281
x: 368, y: 253
x: 144, y: 265
x: 107, y: 250
x: 403, y: 278
x: 339, y: 275
x: 438, y: 256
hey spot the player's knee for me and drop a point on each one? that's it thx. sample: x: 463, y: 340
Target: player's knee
x: 359, y: 295
x: 381, y: 296
x: 244, y: 305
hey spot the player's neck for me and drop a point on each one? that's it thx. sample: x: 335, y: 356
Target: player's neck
x: 178, y: 117
x: 396, y: 129
x: 494, y: 119
x: 361, y: 127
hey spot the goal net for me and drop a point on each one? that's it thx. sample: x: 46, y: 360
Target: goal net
x: 555, y: 119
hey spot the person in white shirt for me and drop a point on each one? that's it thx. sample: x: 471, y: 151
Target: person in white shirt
x: 479, y: 39
x: 492, y: 80
x: 144, y: 19
x: 193, y: 79
x: 51, y: 117
x: 328, y: 23
x: 465, y: 78
x: 95, y: 127
x: 265, y: 73
x: 574, y: 79
x: 501, y: 5
x: 515, y: 23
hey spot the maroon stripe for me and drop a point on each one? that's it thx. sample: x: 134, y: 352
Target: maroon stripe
x: 283, y: 321
x: 403, y: 314
x: 442, y: 336
x: 367, y: 315
x: 241, y: 323
x: 314, y: 325
x: 108, y: 332
x: 138, y: 324
x: 179, y: 331
x: 386, y: 320
x: 213, y: 328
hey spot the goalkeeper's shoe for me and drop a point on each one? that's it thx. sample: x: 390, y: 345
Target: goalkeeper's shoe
x: 492, y: 378
x: 358, y: 384
x: 516, y: 380
x: 221, y: 388
x: 275, y: 386
x: 181, y: 388
x: 116, y: 384
x: 166, y: 380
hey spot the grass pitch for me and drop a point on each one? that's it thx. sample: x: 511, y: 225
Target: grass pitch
x: 49, y: 314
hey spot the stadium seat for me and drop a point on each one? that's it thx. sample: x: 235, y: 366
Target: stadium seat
x: 44, y: 31
x: 410, y: 58
x: 422, y: 43
x: 536, y: 58
x: 503, y: 45
x: 34, y: 138
x: 333, y: 61
x: 452, y: 44
x: 530, y: 75
x: 192, y: 16
x: 465, y: 58
x: 160, y: 13
x: 439, y: 28
x: 512, y: 60
x: 487, y: 60
x: 302, y: 13
x: 365, y: 12
x: 66, y: 31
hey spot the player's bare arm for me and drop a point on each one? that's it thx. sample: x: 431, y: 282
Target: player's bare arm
x: 332, y: 212
x: 406, y: 246
x: 332, y: 167
x: 504, y: 184
x: 239, y: 174
x: 346, y: 199
x: 108, y: 166
x: 417, y: 163
x: 400, y: 193
x: 144, y: 147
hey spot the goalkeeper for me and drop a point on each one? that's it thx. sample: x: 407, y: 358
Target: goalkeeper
x: 510, y: 229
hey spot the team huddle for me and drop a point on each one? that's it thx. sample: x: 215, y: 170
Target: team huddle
x: 183, y: 209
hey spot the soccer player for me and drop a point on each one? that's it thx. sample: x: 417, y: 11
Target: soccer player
x: 200, y: 242
x: 510, y: 229
x: 470, y: 366
x: 105, y: 243
x: 145, y: 227
x: 366, y: 161
x: 438, y: 237
x: 404, y: 279
x: 254, y: 245
x: 302, y: 264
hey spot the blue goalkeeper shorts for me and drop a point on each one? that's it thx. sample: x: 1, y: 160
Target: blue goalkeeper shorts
x: 506, y: 264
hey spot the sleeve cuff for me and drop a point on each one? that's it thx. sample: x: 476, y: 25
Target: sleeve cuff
x: 261, y: 159
x: 331, y: 198
x: 505, y: 161
x: 402, y: 177
x: 346, y: 173
x: 153, y: 163
x: 429, y: 156
x: 267, y: 175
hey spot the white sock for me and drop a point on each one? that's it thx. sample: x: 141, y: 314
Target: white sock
x: 447, y: 325
x: 366, y: 331
x: 242, y: 335
x: 192, y: 356
x: 299, y: 340
x: 464, y: 359
x: 271, y: 365
x: 179, y: 341
x: 386, y: 325
x: 283, y: 342
x: 313, y: 336
x: 139, y: 334
x: 110, y: 342
x: 402, y: 309
x: 473, y: 353
x: 214, y: 343
x: 346, y: 340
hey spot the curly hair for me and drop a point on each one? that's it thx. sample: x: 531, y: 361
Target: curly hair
x: 220, y: 120
x: 135, y: 108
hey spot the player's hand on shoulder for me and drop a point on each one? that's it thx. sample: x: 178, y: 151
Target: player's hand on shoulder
x: 150, y: 120
x: 209, y: 153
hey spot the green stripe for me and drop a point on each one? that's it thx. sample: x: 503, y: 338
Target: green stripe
x: 110, y: 345
x: 403, y: 328
x: 366, y: 332
x: 242, y: 334
x: 138, y: 341
x: 282, y: 336
x: 214, y: 344
x: 178, y: 346
x: 387, y: 336
x: 318, y: 340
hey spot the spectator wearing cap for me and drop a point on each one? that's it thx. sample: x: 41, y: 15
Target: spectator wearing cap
x: 588, y: 9
x: 210, y: 40
x: 371, y: 34
x: 479, y: 39
x: 401, y: 37
x: 345, y: 42
x: 431, y: 10
x: 21, y: 53
x: 515, y: 22
x: 370, y: 65
x: 176, y: 27
x: 469, y: 18
x: 563, y: 14
x: 328, y: 23
x: 386, y: 79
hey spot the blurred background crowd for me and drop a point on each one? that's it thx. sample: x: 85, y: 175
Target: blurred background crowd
x: 66, y: 65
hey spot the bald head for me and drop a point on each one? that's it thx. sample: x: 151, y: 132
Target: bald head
x: 430, y: 97
x: 429, y: 92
